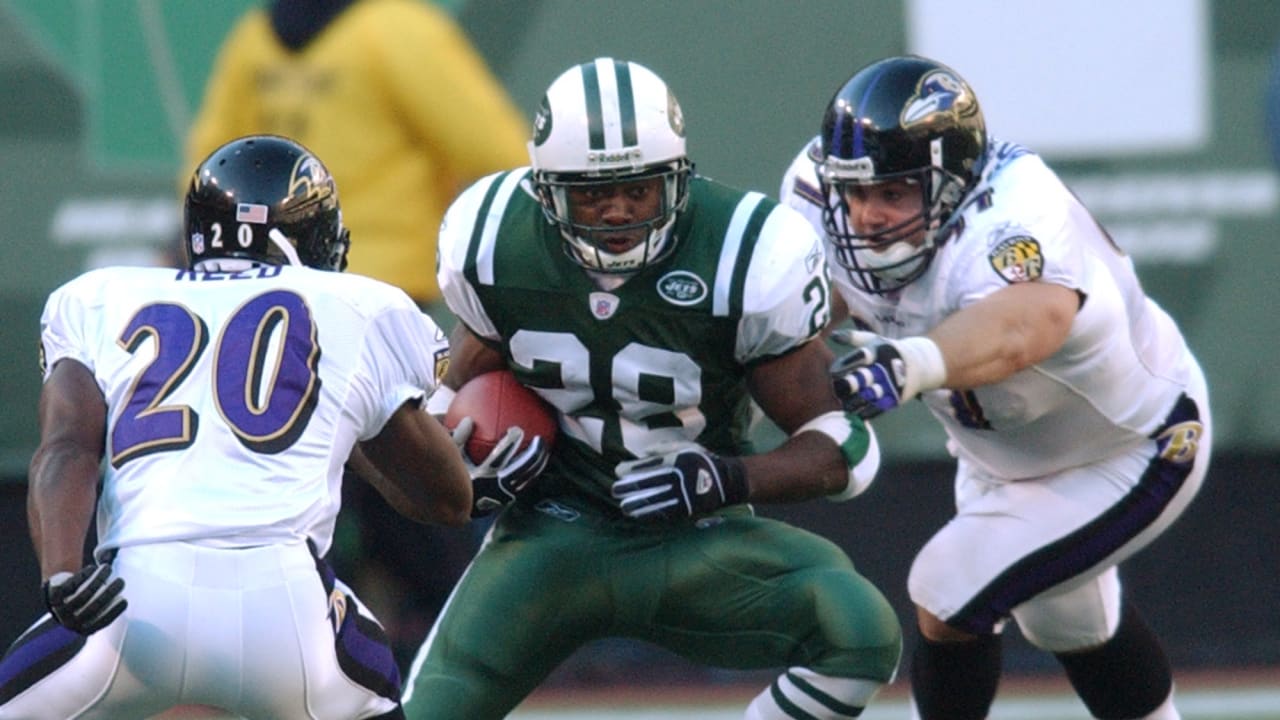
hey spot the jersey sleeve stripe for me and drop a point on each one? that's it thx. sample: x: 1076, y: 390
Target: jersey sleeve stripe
x: 484, y: 237
x: 810, y: 194
x: 730, y: 252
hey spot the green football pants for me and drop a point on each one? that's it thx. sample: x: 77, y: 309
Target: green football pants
x: 732, y: 590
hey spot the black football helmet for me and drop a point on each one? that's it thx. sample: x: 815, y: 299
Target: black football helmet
x: 901, y: 118
x: 265, y: 198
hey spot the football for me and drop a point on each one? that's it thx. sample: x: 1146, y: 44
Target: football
x: 496, y: 401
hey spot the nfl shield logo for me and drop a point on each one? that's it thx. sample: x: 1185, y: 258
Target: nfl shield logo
x: 603, y: 305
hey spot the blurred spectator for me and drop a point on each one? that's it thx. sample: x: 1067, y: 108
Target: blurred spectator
x: 405, y: 112
x: 392, y: 94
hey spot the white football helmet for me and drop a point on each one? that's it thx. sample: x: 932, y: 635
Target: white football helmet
x: 604, y: 122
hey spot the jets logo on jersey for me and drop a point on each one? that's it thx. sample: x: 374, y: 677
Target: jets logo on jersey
x: 939, y: 92
x: 1017, y: 259
x: 603, y: 305
x: 681, y: 287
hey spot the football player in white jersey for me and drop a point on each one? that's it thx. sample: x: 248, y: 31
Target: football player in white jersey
x: 1078, y: 417
x: 225, y: 399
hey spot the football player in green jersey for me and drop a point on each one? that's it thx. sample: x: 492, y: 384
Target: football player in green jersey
x: 650, y: 306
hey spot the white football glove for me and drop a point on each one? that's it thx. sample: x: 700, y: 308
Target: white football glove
x: 880, y: 374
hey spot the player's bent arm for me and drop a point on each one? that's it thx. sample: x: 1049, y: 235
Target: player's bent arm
x: 793, y: 390
x: 470, y: 356
x: 419, y: 469
x: 839, y: 314
x: 1006, y: 332
x: 63, y: 476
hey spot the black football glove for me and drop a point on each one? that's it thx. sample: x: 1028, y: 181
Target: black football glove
x: 507, y: 472
x: 679, y: 484
x: 85, y: 602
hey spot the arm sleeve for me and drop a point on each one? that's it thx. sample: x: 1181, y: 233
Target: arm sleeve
x: 454, y: 242
x: 787, y: 299
x: 403, y: 354
x: 62, y: 329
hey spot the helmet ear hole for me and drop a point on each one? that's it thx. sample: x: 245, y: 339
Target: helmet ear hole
x: 254, y: 187
x: 908, y: 118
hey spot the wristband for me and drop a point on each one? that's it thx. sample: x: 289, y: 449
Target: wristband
x: 438, y: 403
x: 861, y: 450
x: 926, y: 369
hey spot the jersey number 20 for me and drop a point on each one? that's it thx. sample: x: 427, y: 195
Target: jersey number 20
x: 265, y: 391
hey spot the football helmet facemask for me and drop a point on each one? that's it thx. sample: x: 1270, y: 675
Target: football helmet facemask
x: 267, y: 199
x: 902, y: 118
x: 602, y: 123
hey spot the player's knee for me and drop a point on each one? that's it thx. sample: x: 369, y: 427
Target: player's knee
x: 1080, y: 618
x: 1126, y: 677
x: 855, y: 614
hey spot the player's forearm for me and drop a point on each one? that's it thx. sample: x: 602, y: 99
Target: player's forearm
x: 1004, y: 333
x: 61, y: 499
x: 806, y: 466
x: 414, y: 464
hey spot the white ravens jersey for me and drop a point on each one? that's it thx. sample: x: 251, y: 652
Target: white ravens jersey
x: 1123, y: 365
x: 235, y: 398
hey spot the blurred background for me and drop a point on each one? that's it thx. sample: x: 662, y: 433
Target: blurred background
x: 1156, y: 112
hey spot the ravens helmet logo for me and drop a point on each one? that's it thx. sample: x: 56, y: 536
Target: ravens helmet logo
x: 938, y: 92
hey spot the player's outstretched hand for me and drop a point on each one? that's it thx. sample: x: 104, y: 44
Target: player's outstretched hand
x: 85, y: 601
x: 506, y: 472
x: 880, y: 374
x: 679, y: 484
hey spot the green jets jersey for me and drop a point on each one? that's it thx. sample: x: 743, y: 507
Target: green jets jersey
x: 657, y: 362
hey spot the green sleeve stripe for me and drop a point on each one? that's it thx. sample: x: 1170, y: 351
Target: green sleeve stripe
x: 729, y: 269
x: 854, y: 447
x: 480, y: 251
